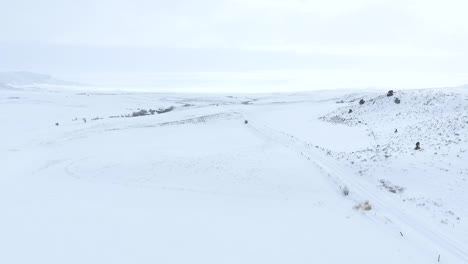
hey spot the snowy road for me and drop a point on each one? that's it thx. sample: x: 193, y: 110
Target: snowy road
x: 387, y: 210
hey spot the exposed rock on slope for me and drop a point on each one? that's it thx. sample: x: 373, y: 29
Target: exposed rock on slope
x: 439, y: 120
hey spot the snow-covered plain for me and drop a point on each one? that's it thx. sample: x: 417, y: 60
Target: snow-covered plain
x: 198, y: 185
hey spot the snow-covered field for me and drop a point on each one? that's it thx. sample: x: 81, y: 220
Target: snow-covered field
x: 83, y: 181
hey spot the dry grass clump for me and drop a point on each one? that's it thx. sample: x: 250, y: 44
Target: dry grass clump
x: 345, y: 191
x: 365, y: 206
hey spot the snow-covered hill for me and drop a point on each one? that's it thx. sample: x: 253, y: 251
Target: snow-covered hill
x: 431, y: 182
x: 22, y: 79
x: 93, y: 177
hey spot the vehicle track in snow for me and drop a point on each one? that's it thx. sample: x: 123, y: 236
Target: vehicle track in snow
x: 384, y: 209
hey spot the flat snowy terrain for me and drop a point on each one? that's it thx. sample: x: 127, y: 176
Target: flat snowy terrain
x: 88, y: 177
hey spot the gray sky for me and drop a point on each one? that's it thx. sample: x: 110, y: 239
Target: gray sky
x: 294, y: 44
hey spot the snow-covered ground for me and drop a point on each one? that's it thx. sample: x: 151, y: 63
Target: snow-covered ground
x: 84, y: 181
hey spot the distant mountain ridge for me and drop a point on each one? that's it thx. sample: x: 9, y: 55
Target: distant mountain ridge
x: 15, y: 80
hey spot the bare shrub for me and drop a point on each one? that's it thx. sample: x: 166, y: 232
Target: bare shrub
x: 345, y: 191
x: 366, y: 206
x: 142, y: 112
x: 164, y: 110
x: 391, y: 187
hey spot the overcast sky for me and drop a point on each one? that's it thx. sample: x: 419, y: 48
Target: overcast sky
x: 294, y: 44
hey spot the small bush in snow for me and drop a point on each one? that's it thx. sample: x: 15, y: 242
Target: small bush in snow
x: 366, y: 206
x: 165, y: 110
x: 361, y: 102
x: 417, y: 146
x: 345, y: 191
x: 390, y: 93
x: 397, y: 101
x: 142, y: 112
x: 391, y: 187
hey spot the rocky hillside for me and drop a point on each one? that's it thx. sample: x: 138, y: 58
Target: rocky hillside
x: 429, y: 181
x: 438, y: 120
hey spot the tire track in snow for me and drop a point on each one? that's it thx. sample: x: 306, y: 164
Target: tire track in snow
x: 445, y: 244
